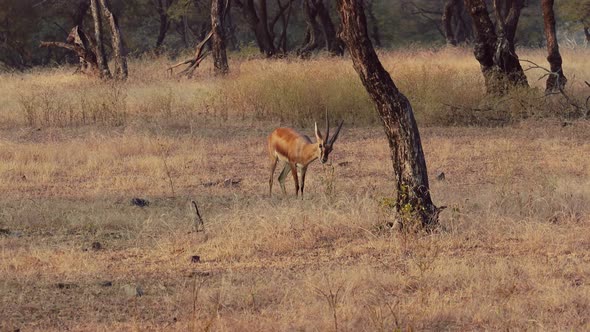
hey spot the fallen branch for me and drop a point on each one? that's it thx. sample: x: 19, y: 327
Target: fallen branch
x: 78, y: 43
x: 193, y: 62
x: 584, y: 109
x: 199, y: 56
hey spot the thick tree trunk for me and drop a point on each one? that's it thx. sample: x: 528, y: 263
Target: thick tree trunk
x: 101, y: 58
x: 556, y: 81
x: 218, y: 37
x: 496, y: 52
x: 413, y: 201
x: 121, y: 71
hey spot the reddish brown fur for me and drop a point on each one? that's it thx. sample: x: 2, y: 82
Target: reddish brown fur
x: 293, y: 146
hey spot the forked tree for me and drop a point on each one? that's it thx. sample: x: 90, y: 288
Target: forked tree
x: 413, y: 201
x: 494, y: 46
x: 93, y: 60
x: 322, y: 32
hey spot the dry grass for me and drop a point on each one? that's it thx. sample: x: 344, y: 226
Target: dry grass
x: 512, y: 252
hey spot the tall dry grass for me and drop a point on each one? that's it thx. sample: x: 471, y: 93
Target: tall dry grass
x: 444, y: 86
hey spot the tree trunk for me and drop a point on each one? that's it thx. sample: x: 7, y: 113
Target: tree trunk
x: 101, y: 58
x: 333, y: 42
x: 313, y: 30
x: 462, y: 27
x: 80, y: 13
x: 282, y: 44
x: 79, y: 44
x: 256, y: 17
x: 121, y: 71
x: 413, y: 201
x: 556, y: 81
x: 375, y: 34
x: 232, y: 29
x: 218, y: 37
x: 496, y: 52
x: 162, y: 9
x: 447, y: 21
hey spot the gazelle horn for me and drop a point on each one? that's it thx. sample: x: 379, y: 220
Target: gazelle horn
x: 333, y: 139
x: 327, y: 126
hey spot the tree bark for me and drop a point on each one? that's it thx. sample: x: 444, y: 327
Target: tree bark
x: 495, y: 50
x: 447, y: 21
x: 81, y: 45
x: 282, y: 43
x: 324, y: 30
x: 101, y: 58
x: 80, y: 13
x: 557, y: 80
x: 255, y: 13
x: 333, y: 42
x: 313, y: 31
x: 218, y: 38
x: 375, y: 34
x: 162, y: 9
x: 121, y: 71
x: 413, y: 201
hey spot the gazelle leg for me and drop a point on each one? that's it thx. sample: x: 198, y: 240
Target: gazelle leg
x: 282, y: 177
x: 273, y: 166
x: 303, y: 171
x: 294, y: 172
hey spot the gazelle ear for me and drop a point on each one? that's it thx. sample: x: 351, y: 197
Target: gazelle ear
x: 318, y: 135
x: 333, y: 139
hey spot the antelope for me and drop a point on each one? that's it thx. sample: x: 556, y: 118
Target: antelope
x: 297, y: 152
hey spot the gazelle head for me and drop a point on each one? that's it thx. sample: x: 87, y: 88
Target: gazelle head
x: 325, y: 146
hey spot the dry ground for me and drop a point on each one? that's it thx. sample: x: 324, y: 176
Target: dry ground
x: 513, y: 251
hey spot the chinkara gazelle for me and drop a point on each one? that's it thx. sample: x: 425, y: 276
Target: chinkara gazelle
x: 297, y: 151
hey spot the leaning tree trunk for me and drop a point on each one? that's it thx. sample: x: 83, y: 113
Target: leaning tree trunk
x: 101, y: 58
x: 556, y: 81
x: 495, y: 50
x: 218, y: 37
x: 413, y: 201
x: 121, y: 71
